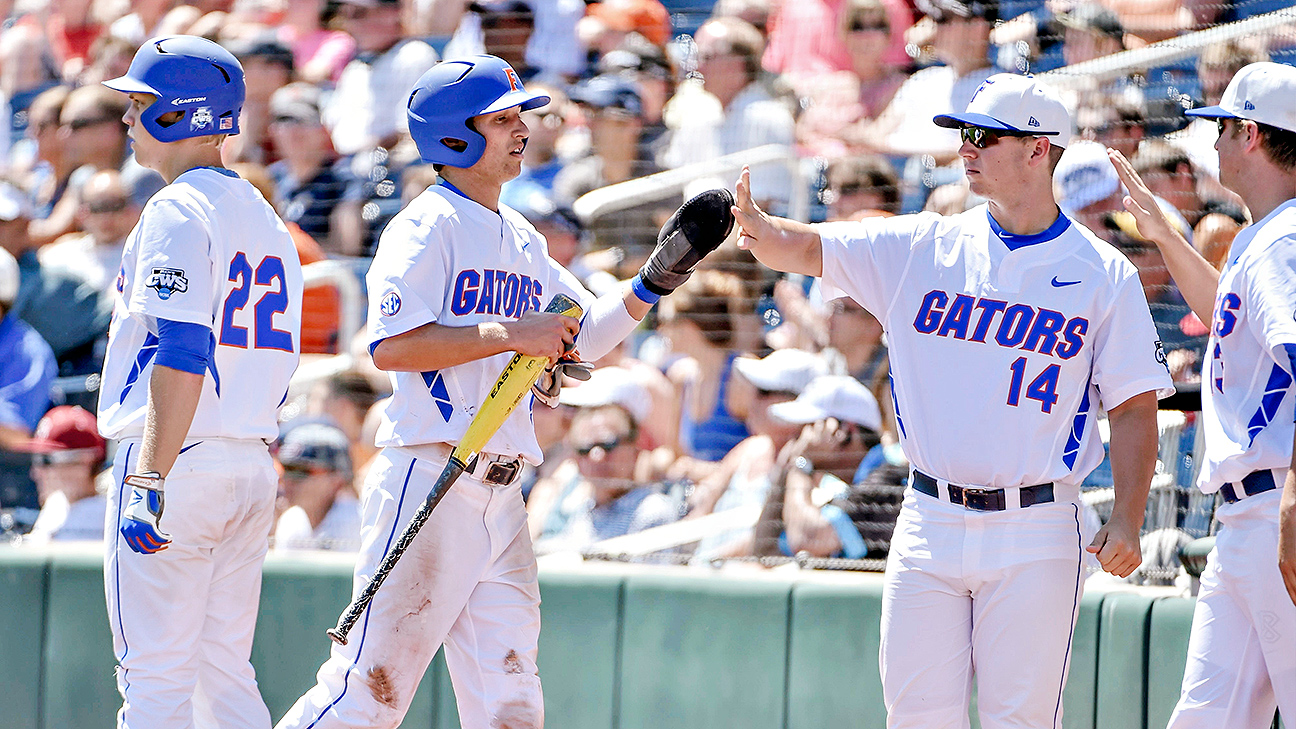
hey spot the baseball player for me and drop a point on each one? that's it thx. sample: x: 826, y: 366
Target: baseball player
x: 1242, y: 652
x: 458, y: 284
x: 204, y: 338
x: 1010, y: 327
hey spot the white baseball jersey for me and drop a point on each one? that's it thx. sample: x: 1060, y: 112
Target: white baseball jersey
x: 208, y: 250
x: 449, y: 260
x: 1000, y: 357
x: 1246, y: 410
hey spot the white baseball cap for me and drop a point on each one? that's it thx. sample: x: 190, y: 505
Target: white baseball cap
x: 8, y: 278
x: 831, y: 396
x: 783, y: 370
x: 610, y: 386
x: 1084, y: 175
x: 1262, y: 92
x: 1012, y: 103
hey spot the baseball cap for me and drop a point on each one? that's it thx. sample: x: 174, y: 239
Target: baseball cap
x: 610, y: 386
x: 648, y: 18
x: 67, y: 428
x: 831, y: 396
x: 940, y: 10
x: 608, y: 91
x: 1095, y: 17
x: 1262, y: 92
x: 539, y: 208
x: 316, y: 444
x: 261, y: 45
x: 1084, y: 176
x: 299, y: 101
x: 783, y: 370
x: 1012, y: 103
x: 9, y: 277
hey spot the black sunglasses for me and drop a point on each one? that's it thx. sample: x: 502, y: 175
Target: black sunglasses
x: 101, y: 207
x: 860, y: 26
x: 77, y: 125
x: 296, y: 473
x: 980, y: 137
x: 1219, y: 124
x: 606, y: 446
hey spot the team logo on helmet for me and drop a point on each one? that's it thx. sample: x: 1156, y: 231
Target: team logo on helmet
x: 202, y: 118
x: 390, y: 304
x: 514, y: 82
x: 167, y: 281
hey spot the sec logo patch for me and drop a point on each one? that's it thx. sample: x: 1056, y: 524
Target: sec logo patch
x: 390, y: 304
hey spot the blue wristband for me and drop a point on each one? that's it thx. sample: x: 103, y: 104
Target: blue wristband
x: 646, y: 296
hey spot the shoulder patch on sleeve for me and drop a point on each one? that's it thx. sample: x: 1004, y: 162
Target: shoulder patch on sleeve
x: 167, y: 281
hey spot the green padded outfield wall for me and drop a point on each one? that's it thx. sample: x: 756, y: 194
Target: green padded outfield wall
x: 23, y: 584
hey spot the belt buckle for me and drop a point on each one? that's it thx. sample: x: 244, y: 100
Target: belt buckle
x: 501, y: 474
x: 977, y: 499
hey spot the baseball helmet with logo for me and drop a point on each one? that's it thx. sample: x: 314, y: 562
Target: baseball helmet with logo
x: 451, y: 93
x: 187, y: 74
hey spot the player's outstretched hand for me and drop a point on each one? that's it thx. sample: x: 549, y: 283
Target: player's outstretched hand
x: 754, y: 225
x: 1287, y: 538
x: 1117, y: 547
x: 140, y: 520
x: 1152, y: 222
x: 697, y: 228
x: 541, y: 334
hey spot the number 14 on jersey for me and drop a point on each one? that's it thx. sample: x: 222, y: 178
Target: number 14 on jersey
x: 1042, y: 389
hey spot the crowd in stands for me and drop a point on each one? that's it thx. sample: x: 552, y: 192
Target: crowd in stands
x: 746, y: 404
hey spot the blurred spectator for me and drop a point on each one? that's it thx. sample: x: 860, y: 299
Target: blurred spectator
x: 567, y: 241
x: 744, y: 476
x: 307, y: 249
x: 110, y: 58
x: 861, y: 186
x: 313, y: 188
x: 1086, y: 186
x: 553, y: 51
x: 72, y: 28
x: 698, y: 319
x: 144, y: 21
x: 805, y: 37
x: 821, y: 514
x: 1118, y: 121
x: 319, y: 51
x: 267, y: 67
x: 367, y: 109
x: 69, y: 454
x: 1157, y: 20
x: 1213, y: 237
x: 27, y: 68
x: 27, y: 365
x: 69, y: 313
x: 542, y: 163
x: 647, y: 66
x: 1090, y: 31
x: 1170, y: 174
x: 321, y: 509
x: 345, y: 399
x: 1183, y: 336
x: 855, y: 339
x: 839, y: 105
x: 106, y: 215
x: 51, y: 166
x: 607, y: 23
x: 961, y: 42
x: 734, y: 111
x: 614, y: 111
x: 601, y: 498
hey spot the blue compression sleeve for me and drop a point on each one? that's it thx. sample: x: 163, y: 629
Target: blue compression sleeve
x: 183, y: 346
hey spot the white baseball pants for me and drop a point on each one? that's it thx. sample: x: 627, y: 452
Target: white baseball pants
x: 182, y: 619
x: 468, y: 580
x: 991, y: 593
x: 1242, y: 653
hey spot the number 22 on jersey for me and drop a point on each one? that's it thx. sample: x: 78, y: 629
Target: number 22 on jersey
x: 268, y: 274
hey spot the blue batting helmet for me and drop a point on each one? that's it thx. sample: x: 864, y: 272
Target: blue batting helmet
x: 451, y: 93
x: 189, y: 74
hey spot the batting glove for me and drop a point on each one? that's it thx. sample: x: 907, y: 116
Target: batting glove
x: 140, y: 520
x: 548, y: 387
x: 696, y: 229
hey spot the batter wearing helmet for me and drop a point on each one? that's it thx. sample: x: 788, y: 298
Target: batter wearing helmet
x: 458, y: 284
x: 1009, y: 326
x: 1242, y: 651
x: 203, y: 341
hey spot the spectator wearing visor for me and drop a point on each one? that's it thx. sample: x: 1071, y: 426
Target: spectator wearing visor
x: 321, y: 510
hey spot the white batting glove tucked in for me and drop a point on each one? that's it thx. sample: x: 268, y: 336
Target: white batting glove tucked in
x: 549, y: 385
x: 143, y: 513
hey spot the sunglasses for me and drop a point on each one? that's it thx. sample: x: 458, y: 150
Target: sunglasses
x: 296, y: 473
x: 57, y: 458
x: 77, y: 125
x: 860, y: 26
x: 104, y: 207
x: 606, y: 446
x: 1220, y: 125
x: 980, y: 137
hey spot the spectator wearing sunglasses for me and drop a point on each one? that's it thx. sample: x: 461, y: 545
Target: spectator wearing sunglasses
x: 106, y: 215
x: 68, y: 454
x: 598, y: 496
x: 321, y: 509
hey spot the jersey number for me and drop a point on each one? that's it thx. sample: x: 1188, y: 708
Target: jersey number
x: 1226, y: 307
x: 271, y: 302
x: 1042, y: 389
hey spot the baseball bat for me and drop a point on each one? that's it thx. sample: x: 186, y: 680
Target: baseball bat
x: 514, y: 382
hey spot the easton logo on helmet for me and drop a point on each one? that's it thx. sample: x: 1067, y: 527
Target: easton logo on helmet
x: 194, y: 100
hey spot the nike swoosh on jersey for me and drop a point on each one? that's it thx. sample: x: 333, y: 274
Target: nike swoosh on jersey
x: 1060, y: 284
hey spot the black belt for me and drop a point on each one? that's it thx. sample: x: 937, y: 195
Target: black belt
x: 1256, y: 482
x: 983, y: 499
